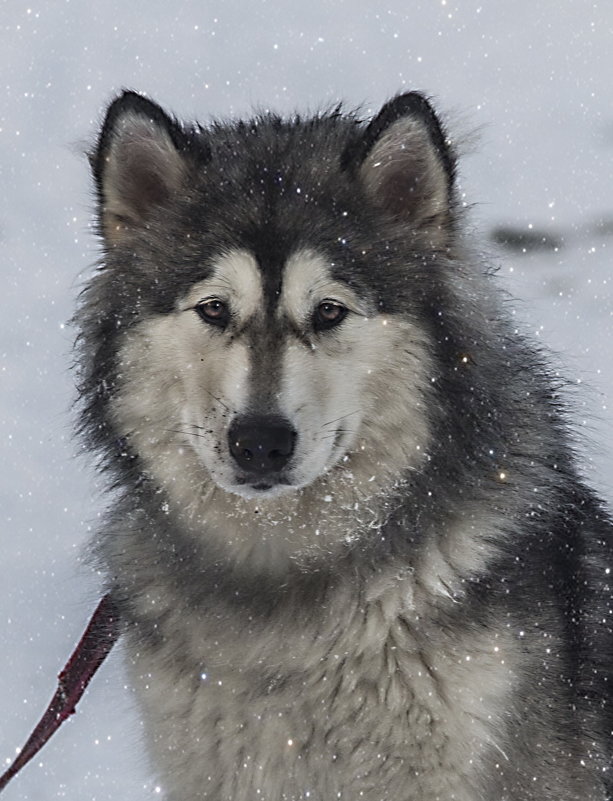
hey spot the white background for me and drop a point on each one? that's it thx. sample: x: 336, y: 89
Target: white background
x: 530, y: 80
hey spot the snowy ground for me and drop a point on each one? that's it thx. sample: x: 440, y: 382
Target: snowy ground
x: 533, y: 77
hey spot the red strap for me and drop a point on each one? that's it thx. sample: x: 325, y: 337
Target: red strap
x: 96, y: 643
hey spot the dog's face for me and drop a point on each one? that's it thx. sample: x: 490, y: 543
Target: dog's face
x: 264, y: 370
x: 271, y: 395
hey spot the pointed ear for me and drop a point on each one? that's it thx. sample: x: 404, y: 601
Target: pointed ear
x: 405, y: 163
x: 141, y: 160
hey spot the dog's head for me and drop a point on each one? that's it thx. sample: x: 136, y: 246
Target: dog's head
x: 259, y: 318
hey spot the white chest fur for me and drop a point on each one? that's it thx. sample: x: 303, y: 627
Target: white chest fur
x: 359, y: 701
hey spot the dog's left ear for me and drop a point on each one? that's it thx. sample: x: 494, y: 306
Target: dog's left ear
x: 405, y: 163
x: 141, y: 161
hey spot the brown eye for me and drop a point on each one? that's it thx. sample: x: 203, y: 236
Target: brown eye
x: 328, y: 314
x: 214, y: 312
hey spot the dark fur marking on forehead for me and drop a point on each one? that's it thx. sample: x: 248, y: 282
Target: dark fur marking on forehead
x: 271, y: 249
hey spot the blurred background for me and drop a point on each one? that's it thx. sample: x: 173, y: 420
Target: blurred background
x: 526, y: 83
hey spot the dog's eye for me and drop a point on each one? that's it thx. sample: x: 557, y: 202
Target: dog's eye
x: 214, y: 311
x: 328, y: 314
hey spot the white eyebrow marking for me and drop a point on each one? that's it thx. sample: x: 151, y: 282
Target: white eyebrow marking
x: 307, y: 281
x: 236, y: 279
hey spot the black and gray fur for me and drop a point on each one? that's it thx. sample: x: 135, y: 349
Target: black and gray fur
x: 348, y: 538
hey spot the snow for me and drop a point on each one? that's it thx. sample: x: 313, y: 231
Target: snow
x: 531, y: 77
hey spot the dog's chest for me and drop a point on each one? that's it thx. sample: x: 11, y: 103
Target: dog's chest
x: 365, y: 708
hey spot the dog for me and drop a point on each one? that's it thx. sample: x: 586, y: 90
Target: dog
x: 352, y: 551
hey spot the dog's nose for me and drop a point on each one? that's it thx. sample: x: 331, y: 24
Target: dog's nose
x: 261, y: 444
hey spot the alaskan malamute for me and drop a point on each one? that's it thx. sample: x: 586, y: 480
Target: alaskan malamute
x: 348, y: 540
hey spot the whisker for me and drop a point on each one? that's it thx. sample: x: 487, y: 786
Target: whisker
x: 336, y: 434
x: 219, y: 400
x: 342, y: 417
x: 185, y: 433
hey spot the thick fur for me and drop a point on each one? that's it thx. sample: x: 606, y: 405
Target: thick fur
x: 409, y: 598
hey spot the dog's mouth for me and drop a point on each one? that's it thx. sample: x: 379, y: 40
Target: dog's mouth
x: 262, y: 487
x: 273, y: 483
x: 267, y: 457
x: 263, y: 484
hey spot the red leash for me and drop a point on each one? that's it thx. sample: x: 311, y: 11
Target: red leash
x: 96, y: 643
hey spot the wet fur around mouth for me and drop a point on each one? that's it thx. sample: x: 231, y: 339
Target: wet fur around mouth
x: 407, y: 596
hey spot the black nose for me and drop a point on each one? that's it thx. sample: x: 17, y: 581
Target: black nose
x: 261, y: 444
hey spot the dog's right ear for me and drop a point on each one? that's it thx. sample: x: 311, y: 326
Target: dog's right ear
x: 140, y: 161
